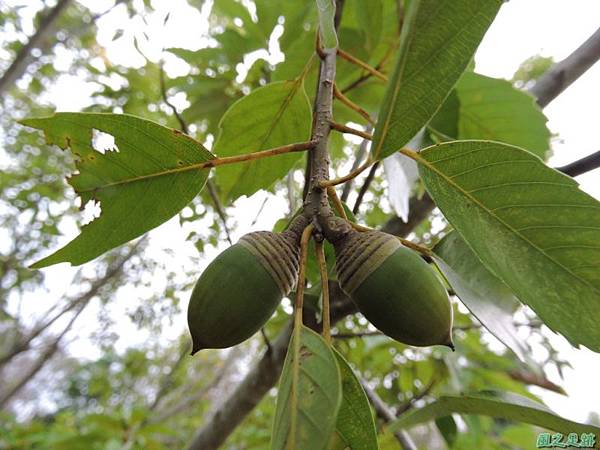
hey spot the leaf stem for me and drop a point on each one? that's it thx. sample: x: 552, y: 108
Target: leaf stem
x: 419, y: 248
x: 324, y: 291
x: 337, y: 203
x: 348, y: 177
x: 353, y: 106
x: 299, y: 301
x: 354, y: 60
x: 346, y: 129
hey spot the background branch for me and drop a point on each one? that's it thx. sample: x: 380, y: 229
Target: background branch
x: 112, y: 272
x: 45, y: 29
x: 385, y: 414
x: 41, y: 361
x: 582, y: 165
x: 562, y: 74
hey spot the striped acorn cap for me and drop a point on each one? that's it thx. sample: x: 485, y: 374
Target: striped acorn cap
x: 278, y: 253
x: 361, y: 253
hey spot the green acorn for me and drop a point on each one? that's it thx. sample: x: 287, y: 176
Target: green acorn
x: 241, y: 288
x: 394, y: 288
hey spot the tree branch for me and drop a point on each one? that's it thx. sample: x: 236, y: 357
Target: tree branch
x: 40, y: 362
x: 19, y: 65
x: 385, y: 414
x: 244, y: 398
x: 112, y: 271
x: 561, y: 75
x: 582, y: 165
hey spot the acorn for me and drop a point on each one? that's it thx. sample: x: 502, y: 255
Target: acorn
x: 394, y: 288
x: 241, y: 288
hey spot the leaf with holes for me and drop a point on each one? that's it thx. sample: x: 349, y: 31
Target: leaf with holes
x: 488, y: 298
x: 438, y: 39
x: 503, y: 405
x: 271, y: 116
x: 310, y: 394
x: 149, y: 176
x: 355, y: 425
x: 529, y: 224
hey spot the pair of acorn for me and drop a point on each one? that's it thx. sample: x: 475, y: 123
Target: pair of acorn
x: 392, y: 286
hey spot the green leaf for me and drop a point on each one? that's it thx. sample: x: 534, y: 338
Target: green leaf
x: 370, y: 18
x: 355, y: 424
x: 445, y: 122
x: 488, y: 298
x: 326, y: 10
x: 437, y: 42
x: 448, y: 429
x: 529, y: 224
x: 274, y: 115
x: 504, y: 405
x: 150, y: 178
x: 493, y: 109
x: 310, y: 394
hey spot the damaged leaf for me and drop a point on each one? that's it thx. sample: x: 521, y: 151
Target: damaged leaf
x: 148, y: 177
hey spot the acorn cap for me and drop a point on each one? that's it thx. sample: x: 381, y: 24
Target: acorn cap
x: 359, y: 254
x: 278, y: 254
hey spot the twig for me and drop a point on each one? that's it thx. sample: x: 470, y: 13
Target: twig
x: 354, y: 60
x: 346, y: 129
x: 260, y: 210
x: 163, y: 91
x: 419, y: 248
x: 360, y: 154
x: 365, y: 187
x: 536, y: 380
x: 347, y: 177
x: 418, y: 396
x: 214, y: 196
x: 420, y: 209
x: 357, y: 335
x: 582, y: 165
x: 353, y: 106
x: 561, y: 75
x: 212, y: 190
x: 337, y: 203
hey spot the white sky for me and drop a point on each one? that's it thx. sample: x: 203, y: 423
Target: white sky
x: 522, y: 29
